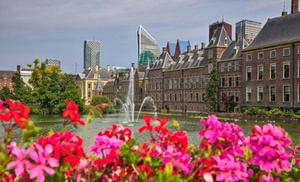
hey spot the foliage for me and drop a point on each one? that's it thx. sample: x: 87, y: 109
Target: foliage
x: 224, y: 154
x: 5, y: 93
x: 100, y: 99
x: 211, y: 91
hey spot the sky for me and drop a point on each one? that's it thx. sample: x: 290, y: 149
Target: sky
x: 43, y: 29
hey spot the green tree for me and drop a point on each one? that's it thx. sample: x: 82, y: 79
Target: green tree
x: 21, y: 91
x: 99, y: 99
x: 5, y: 93
x: 211, y: 91
x: 71, y: 93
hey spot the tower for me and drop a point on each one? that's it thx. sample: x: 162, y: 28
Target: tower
x: 91, y: 54
x: 146, y: 42
x: 213, y: 27
x: 247, y: 29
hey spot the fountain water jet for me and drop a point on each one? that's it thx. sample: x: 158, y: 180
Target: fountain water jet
x: 148, y: 98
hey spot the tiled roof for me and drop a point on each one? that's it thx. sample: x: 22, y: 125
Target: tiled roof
x: 220, y: 38
x: 188, y: 60
x: 104, y: 73
x: 9, y: 73
x: 163, y: 61
x: 277, y: 30
x: 234, y: 50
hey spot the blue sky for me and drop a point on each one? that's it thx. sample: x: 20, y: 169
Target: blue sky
x: 42, y: 29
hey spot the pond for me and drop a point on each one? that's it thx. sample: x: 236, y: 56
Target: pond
x: 187, y: 123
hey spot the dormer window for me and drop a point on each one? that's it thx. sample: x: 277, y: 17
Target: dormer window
x: 225, y: 41
x: 236, y: 50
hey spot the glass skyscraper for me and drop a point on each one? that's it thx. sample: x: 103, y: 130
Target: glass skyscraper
x: 91, y: 54
x: 146, y: 42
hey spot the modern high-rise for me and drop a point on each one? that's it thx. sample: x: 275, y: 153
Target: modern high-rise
x: 247, y: 29
x: 52, y: 61
x: 146, y: 42
x: 91, y: 54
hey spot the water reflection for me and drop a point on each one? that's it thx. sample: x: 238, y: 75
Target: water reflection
x: 189, y: 124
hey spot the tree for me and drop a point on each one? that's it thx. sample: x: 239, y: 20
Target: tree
x: 100, y: 99
x: 21, y: 91
x: 211, y: 91
x: 5, y: 93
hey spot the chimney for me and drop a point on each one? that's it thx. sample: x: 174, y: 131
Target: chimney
x: 189, y: 48
x: 237, y: 36
x: 108, y: 67
x: 196, y: 47
x: 19, y: 68
x: 202, y: 45
x: 132, y: 65
x: 294, y: 8
x: 164, y: 49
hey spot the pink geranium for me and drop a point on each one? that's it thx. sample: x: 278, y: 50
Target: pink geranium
x: 20, y: 162
x: 44, y: 162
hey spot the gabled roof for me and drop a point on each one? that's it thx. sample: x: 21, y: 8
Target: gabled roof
x: 220, y: 38
x: 171, y: 47
x: 9, y: 73
x: 181, y: 47
x: 278, y: 30
x: 190, y: 59
x: 234, y: 49
x: 98, y: 85
x: 163, y: 61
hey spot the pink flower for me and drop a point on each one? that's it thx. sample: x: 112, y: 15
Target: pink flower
x: 20, y: 161
x: 43, y: 160
x: 105, y: 144
x: 230, y: 169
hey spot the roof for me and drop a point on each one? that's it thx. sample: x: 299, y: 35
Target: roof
x: 234, y: 50
x: 163, y: 61
x: 98, y: 85
x: 278, y: 30
x: 219, y: 38
x: 9, y: 73
x: 190, y: 59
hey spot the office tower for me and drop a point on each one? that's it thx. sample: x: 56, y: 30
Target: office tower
x: 52, y: 61
x: 146, y: 42
x: 91, y: 54
x: 247, y: 29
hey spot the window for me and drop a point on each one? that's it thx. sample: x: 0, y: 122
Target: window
x: 237, y: 66
x: 222, y: 82
x: 286, y: 52
x: 272, y: 54
x: 191, y: 96
x: 260, y: 72
x: 166, y: 97
x: 180, y: 83
x: 197, y: 81
x: 248, y: 94
x: 175, y: 83
x: 286, y: 69
x: 166, y: 83
x: 210, y: 67
x: 210, y: 53
x: 230, y: 67
x: 89, y: 94
x: 203, y: 82
x: 175, y: 97
x: 230, y: 81
x: 170, y: 84
x: 191, y: 82
x: 249, y: 57
x: 298, y: 93
x: 180, y: 97
x: 203, y: 97
x: 260, y: 55
x: 236, y: 81
x: 185, y: 82
x: 273, y: 71
x: 89, y: 85
x: 170, y: 97
x: 249, y: 71
x: 286, y: 93
x: 298, y: 68
x: 272, y: 93
x: 298, y: 49
x: 236, y: 96
x: 259, y: 94
x: 222, y: 67
x: 197, y: 97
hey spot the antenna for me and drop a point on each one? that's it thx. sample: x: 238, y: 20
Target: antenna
x: 284, y: 6
x: 222, y: 18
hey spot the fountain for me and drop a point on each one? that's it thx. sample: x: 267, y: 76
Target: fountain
x: 148, y: 98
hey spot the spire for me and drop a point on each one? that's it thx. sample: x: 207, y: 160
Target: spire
x: 98, y: 85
